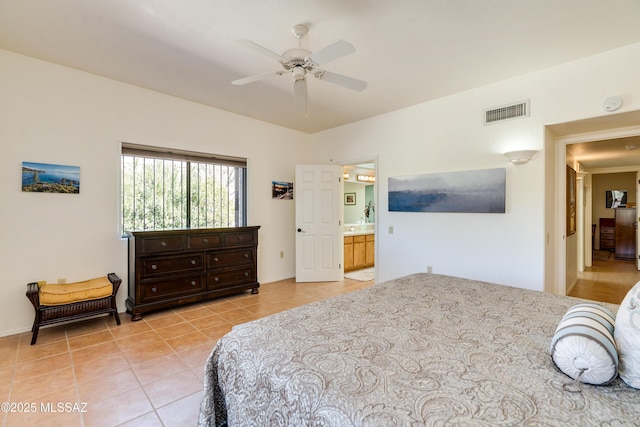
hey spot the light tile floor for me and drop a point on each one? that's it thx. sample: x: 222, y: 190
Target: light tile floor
x: 606, y: 281
x: 145, y: 373
x: 149, y: 373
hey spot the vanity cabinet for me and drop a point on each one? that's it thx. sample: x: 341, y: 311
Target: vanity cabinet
x: 348, y: 253
x: 176, y: 267
x: 359, y: 248
x: 369, y: 250
x: 358, y: 251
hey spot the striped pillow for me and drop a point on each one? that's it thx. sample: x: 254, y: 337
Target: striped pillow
x: 583, y: 346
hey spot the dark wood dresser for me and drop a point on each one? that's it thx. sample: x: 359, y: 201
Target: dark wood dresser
x: 176, y: 267
x: 626, y: 223
x: 607, y: 234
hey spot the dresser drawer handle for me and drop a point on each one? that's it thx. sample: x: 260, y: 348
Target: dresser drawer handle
x: 246, y: 274
x: 193, y: 283
x: 193, y: 261
x: 154, y: 267
x: 205, y: 240
x: 154, y: 289
x: 216, y: 279
x: 215, y: 259
x: 240, y: 237
x: 246, y: 255
x: 163, y: 243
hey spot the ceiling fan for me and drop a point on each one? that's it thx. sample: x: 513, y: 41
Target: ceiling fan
x: 301, y: 62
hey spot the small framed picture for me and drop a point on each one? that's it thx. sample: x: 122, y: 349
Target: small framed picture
x: 50, y: 178
x: 282, y: 190
x: 349, y: 198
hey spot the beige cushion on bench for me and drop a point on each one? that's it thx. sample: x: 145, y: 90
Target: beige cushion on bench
x: 58, y: 294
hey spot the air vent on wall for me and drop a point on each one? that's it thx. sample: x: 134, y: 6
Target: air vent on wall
x: 507, y: 112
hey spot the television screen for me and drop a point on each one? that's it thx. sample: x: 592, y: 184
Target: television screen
x: 616, y: 198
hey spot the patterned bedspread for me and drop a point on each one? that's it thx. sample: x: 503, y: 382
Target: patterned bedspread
x: 416, y: 351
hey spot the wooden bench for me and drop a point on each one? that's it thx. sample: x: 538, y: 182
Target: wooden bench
x: 73, y: 301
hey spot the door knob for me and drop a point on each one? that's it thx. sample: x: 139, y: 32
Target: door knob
x: 300, y: 230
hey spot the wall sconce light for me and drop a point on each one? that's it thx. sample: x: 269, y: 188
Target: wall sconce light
x: 520, y: 157
x: 345, y: 176
x: 366, y: 178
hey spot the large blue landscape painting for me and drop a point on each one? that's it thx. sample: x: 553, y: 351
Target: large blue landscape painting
x: 477, y: 191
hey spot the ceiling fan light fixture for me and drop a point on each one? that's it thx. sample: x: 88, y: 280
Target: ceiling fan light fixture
x: 300, y: 30
x: 300, y: 89
x: 299, y: 62
x: 297, y: 55
x: 298, y: 74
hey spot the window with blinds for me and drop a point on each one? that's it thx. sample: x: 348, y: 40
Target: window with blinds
x: 165, y: 189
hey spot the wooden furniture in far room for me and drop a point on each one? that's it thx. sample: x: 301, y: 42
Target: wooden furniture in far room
x: 73, y: 301
x: 175, y: 267
x: 358, y: 251
x: 607, y: 234
x: 625, y: 236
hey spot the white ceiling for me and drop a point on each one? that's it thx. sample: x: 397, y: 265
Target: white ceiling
x: 409, y: 51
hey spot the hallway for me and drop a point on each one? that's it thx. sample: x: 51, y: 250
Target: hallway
x: 606, y: 281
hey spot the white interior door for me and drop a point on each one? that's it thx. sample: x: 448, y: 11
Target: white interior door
x: 319, y: 245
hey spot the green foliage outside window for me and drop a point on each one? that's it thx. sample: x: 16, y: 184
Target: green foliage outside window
x: 162, y: 194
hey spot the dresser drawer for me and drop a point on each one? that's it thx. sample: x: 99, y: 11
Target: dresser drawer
x: 226, y: 278
x: 609, y: 243
x: 176, y: 264
x: 240, y: 238
x: 170, y: 287
x: 220, y: 259
x: 205, y: 241
x: 154, y: 245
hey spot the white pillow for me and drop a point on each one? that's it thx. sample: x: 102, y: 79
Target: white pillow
x: 583, y: 346
x: 627, y: 335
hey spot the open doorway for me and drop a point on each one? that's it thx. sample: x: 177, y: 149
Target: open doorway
x: 360, y: 220
x: 610, y: 269
x: 565, y: 251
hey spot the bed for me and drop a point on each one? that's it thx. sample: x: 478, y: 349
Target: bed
x: 420, y: 350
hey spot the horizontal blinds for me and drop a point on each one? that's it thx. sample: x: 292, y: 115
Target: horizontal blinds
x: 173, y: 154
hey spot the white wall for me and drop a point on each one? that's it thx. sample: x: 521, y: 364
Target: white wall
x: 448, y: 135
x: 53, y: 114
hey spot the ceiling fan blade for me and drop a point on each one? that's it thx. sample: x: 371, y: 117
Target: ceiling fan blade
x: 331, y: 52
x: 344, y: 81
x: 256, y: 77
x: 261, y: 49
x: 300, y: 92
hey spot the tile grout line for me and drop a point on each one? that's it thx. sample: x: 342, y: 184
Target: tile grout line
x: 75, y: 377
